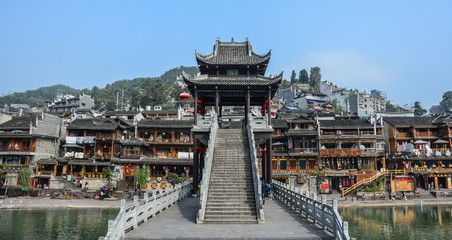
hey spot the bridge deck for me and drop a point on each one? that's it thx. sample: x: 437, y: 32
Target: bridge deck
x: 179, y: 222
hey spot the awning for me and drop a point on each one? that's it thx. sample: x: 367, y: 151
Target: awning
x: 278, y: 143
x: 420, y: 142
x: 69, y: 145
x: 440, y: 141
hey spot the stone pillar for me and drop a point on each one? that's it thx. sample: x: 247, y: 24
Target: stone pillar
x: 195, y: 167
x: 247, y: 106
x: 217, y: 101
x: 264, y: 165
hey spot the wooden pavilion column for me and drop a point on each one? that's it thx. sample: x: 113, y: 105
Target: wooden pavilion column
x: 217, y: 101
x: 269, y: 158
x: 247, y: 106
x: 196, y: 107
x: 195, y: 167
x: 269, y: 114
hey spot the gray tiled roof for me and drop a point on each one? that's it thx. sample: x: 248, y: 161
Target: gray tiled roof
x: 150, y: 123
x: 233, y: 81
x: 233, y: 53
x: 123, y: 113
x: 19, y: 123
x: 346, y: 123
x: 413, y: 121
x: 98, y: 124
x: 279, y: 123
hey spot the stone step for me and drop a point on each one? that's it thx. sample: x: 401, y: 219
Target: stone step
x: 250, y: 205
x: 230, y: 220
x: 231, y: 208
x: 230, y: 212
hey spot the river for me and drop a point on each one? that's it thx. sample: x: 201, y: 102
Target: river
x: 399, y: 222
x: 55, y: 223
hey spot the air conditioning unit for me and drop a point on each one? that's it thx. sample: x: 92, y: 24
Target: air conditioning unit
x: 338, y: 132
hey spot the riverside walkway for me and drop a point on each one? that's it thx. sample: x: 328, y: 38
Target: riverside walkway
x: 179, y: 222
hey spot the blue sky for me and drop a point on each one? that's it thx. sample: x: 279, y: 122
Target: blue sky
x: 402, y: 47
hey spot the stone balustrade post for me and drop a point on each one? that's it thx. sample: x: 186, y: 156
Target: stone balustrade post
x: 323, y: 212
x: 135, y: 212
x: 345, y: 227
x: 146, y: 206
x: 122, y: 229
x: 111, y: 226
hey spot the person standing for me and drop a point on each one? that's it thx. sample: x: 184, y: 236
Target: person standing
x: 270, y: 187
x: 264, y: 191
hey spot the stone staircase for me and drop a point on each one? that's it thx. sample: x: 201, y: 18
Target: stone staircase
x: 231, y: 198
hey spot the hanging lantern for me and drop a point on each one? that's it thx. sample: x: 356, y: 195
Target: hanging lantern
x: 266, y: 101
x: 199, y: 102
x: 264, y: 150
x: 185, y: 168
x: 272, y: 112
x: 164, y: 168
x: 153, y: 167
x: 174, y: 168
x: 184, y: 96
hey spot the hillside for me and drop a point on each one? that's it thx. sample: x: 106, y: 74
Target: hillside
x: 108, y: 94
x: 38, y: 96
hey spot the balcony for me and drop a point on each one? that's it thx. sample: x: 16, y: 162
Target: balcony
x: 303, y: 151
x: 17, y: 149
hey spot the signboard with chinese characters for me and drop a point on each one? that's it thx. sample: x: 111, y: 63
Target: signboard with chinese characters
x: 340, y: 153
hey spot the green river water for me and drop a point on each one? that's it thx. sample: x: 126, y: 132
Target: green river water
x: 55, y: 223
x: 369, y: 223
x: 399, y: 222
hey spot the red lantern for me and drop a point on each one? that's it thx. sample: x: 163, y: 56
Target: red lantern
x: 174, y: 167
x: 272, y: 112
x: 264, y: 150
x: 153, y: 167
x: 164, y: 168
x: 184, y: 96
x: 199, y: 102
x: 265, y: 106
x: 185, y: 168
x: 266, y: 101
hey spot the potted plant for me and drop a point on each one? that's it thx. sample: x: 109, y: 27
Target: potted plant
x: 142, y: 175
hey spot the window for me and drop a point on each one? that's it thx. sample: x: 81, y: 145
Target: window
x: 302, y: 164
x: 283, y: 165
x: 233, y: 72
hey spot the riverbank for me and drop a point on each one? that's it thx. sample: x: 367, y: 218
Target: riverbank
x: 379, y: 203
x: 40, y: 203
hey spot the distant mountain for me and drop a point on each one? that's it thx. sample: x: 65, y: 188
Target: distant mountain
x: 38, y: 96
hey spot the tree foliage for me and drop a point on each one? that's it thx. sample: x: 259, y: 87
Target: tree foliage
x: 293, y: 77
x: 109, y: 175
x: 303, y: 77
x: 24, y: 177
x: 446, y: 102
x: 174, y: 179
x: 142, y: 174
x: 418, y: 110
x: 315, y: 77
x: 391, y: 108
x: 285, y: 84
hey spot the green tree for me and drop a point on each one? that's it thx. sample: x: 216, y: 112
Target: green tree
x: 391, y: 108
x: 141, y: 175
x: 24, y: 178
x: 293, y: 77
x: 174, y: 179
x: 303, y: 76
x: 418, y: 110
x: 285, y: 84
x: 111, y: 105
x: 315, y: 77
x: 109, y: 175
x: 446, y: 103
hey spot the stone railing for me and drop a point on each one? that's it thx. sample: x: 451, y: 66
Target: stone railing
x: 322, y: 214
x: 207, y: 170
x: 255, y: 169
x: 206, y: 121
x: 258, y: 122
x: 133, y: 214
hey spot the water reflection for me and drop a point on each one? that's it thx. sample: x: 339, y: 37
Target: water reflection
x: 399, y: 222
x: 55, y: 223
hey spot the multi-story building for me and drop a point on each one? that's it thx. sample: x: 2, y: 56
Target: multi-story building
x: 68, y: 103
x: 351, y: 149
x: 422, y: 147
x: 363, y: 104
x: 310, y: 100
x: 26, y: 140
